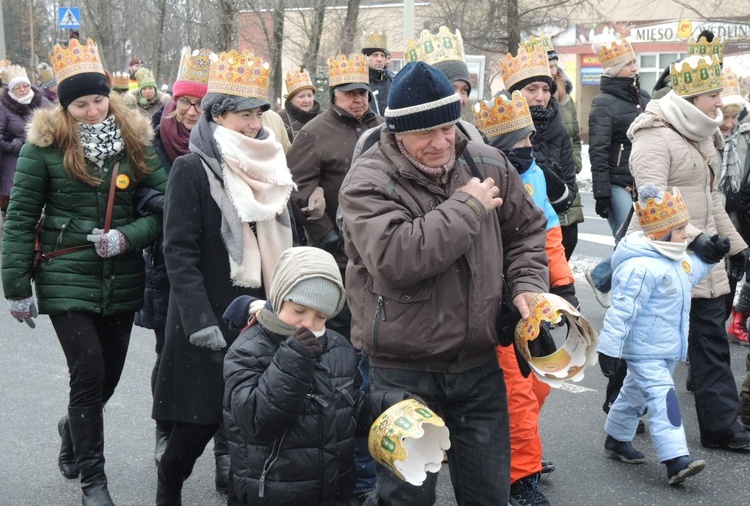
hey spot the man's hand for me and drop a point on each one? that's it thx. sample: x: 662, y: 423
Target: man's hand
x: 484, y: 191
x: 316, y: 205
x: 522, y: 301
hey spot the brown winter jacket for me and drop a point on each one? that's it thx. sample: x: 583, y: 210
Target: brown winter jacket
x: 320, y: 156
x: 425, y: 275
x: 663, y: 157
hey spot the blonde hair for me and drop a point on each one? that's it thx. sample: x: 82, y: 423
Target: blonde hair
x: 65, y: 133
x: 729, y: 110
x: 561, y: 92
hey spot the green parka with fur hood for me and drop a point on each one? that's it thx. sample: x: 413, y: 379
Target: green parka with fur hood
x: 79, y: 281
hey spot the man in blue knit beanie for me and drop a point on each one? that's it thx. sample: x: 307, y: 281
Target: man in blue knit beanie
x: 434, y: 224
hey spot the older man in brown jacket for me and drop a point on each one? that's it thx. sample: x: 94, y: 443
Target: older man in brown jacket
x: 433, y: 226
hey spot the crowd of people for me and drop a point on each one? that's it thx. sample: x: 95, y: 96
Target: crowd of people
x: 304, y: 271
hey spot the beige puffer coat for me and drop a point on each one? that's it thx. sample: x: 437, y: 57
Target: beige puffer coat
x: 665, y: 158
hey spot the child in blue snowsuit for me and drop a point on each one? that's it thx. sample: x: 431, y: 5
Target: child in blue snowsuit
x: 647, y: 326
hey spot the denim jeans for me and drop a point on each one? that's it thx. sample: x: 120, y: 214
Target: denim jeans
x: 474, y: 406
x: 622, y: 201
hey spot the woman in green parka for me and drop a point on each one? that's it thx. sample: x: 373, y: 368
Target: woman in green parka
x: 91, y: 294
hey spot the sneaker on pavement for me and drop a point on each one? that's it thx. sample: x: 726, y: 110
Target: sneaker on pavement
x: 603, y: 298
x: 525, y: 492
x: 738, y: 442
x: 680, y: 468
x: 623, y: 450
x: 547, y: 466
x: 641, y: 427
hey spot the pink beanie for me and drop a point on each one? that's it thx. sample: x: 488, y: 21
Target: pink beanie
x: 181, y: 88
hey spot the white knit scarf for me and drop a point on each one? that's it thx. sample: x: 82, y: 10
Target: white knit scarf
x: 100, y: 142
x: 258, y: 183
x: 25, y: 100
x: 671, y: 250
x: 688, y: 119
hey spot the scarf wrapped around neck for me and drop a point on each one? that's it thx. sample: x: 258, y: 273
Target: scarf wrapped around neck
x: 175, y: 137
x: 250, y: 182
x: 543, y: 116
x: 687, y: 119
x: 100, y: 142
x: 730, y: 179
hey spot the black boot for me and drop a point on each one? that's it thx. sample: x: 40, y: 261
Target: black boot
x: 66, y: 460
x: 166, y: 494
x: 221, y: 455
x: 87, y: 431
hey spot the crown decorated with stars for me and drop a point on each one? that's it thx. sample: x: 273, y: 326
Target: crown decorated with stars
x: 343, y: 69
x: 239, y: 74
x: 618, y: 52
x: 120, y: 81
x: 696, y: 75
x: 543, y: 40
x: 76, y: 59
x: 432, y: 49
x: 702, y: 47
x: 501, y: 115
x: 524, y: 65
x: 298, y: 79
x: 194, y: 65
x: 374, y: 39
x: 660, y: 215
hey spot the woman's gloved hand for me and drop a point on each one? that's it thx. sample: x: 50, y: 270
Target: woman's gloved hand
x: 710, y: 249
x: 603, y: 206
x: 108, y: 244
x: 739, y: 265
x: 24, y: 310
x: 210, y: 338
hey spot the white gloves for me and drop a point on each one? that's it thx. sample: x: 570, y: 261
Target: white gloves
x: 316, y: 205
x: 24, y: 310
x: 110, y: 244
x: 255, y: 306
x: 210, y: 337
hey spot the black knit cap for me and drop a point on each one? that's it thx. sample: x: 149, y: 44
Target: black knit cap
x: 80, y: 85
x: 421, y: 98
x: 533, y: 79
x: 455, y: 70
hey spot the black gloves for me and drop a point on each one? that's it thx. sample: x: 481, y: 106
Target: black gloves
x: 308, y: 342
x: 609, y: 365
x: 558, y: 193
x: 567, y: 292
x: 710, y: 250
x: 603, y: 206
x: 332, y: 242
x: 739, y: 265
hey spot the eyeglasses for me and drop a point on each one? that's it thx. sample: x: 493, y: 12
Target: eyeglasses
x: 184, y: 105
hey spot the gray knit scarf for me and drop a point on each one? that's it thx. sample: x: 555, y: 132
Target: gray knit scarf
x: 731, y: 172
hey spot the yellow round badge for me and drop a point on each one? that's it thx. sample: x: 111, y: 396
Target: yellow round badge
x: 122, y: 181
x: 686, y: 266
x: 530, y: 189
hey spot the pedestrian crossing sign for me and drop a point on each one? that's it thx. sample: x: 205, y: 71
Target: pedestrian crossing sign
x: 69, y: 18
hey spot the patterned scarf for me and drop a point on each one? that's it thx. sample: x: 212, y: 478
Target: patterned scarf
x: 543, y: 116
x: 175, y: 137
x: 101, y: 141
x: 731, y: 172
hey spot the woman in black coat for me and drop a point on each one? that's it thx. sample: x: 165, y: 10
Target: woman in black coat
x: 300, y: 105
x: 226, y: 222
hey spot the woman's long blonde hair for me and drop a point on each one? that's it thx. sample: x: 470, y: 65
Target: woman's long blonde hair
x: 65, y: 132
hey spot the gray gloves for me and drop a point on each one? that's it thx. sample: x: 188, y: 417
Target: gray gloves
x: 210, y: 337
x: 110, y: 244
x: 24, y: 310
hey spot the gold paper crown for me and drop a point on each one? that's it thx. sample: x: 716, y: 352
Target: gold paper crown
x: 76, y: 59
x: 145, y: 78
x: 543, y: 40
x: 617, y: 52
x: 343, y: 69
x: 731, y: 83
x: 194, y: 66
x: 298, y: 80
x: 121, y: 81
x: 702, y: 47
x: 432, y: 49
x: 524, y: 65
x: 14, y: 71
x: 239, y: 74
x: 501, y: 116
x: 374, y: 40
x: 658, y: 218
x: 696, y: 75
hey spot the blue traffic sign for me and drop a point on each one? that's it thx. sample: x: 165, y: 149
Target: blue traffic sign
x: 69, y: 17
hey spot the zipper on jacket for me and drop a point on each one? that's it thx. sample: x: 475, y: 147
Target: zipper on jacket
x: 379, y: 312
x: 275, y: 451
x: 317, y: 399
x: 619, y: 155
x: 60, y: 236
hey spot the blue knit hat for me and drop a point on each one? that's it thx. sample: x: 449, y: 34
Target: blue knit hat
x: 421, y: 98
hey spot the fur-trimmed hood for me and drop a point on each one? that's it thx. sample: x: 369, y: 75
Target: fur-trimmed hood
x: 40, y: 131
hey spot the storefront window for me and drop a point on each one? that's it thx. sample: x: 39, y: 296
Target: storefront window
x: 650, y: 66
